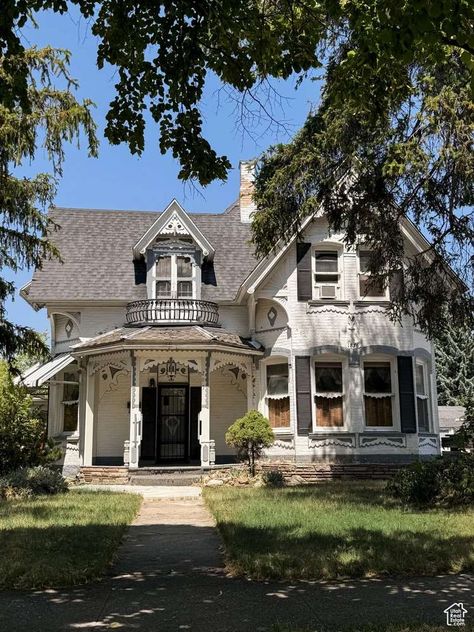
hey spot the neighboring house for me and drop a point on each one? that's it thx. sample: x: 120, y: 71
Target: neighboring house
x: 165, y: 329
x: 451, y: 419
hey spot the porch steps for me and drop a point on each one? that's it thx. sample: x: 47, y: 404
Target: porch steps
x: 166, y: 476
x: 106, y: 475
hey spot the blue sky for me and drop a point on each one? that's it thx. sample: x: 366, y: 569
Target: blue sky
x: 119, y: 180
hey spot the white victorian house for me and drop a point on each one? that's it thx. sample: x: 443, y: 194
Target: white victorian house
x: 165, y: 329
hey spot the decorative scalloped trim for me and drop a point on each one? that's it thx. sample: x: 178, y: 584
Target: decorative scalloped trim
x: 368, y: 442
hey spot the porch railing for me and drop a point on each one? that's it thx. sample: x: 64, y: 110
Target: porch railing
x: 168, y: 311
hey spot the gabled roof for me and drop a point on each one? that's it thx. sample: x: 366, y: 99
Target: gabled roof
x: 98, y: 265
x: 173, y: 220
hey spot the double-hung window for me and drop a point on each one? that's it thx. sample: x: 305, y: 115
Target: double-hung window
x: 174, y: 277
x: 369, y: 287
x: 326, y: 267
x: 70, y: 401
x: 422, y: 398
x: 278, y: 399
x: 378, y: 394
x: 329, y: 394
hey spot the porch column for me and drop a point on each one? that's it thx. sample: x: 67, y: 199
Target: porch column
x: 135, y: 413
x: 250, y: 385
x: 89, y: 416
x: 208, y: 450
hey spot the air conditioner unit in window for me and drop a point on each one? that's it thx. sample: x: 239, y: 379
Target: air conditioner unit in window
x: 327, y: 291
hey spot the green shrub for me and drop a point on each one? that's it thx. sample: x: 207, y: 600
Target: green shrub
x: 250, y: 435
x: 26, y: 482
x: 442, y: 481
x: 273, y: 478
x: 22, y: 434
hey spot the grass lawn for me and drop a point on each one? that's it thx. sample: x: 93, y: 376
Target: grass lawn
x: 61, y: 540
x: 337, y: 529
x: 424, y: 627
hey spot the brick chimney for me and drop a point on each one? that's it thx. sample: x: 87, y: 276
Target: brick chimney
x: 247, y: 205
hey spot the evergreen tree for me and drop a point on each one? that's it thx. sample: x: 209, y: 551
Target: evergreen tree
x: 454, y: 349
x: 48, y: 118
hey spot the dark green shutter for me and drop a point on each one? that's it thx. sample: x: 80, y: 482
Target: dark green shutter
x: 406, y: 394
x: 303, y: 394
x: 303, y: 267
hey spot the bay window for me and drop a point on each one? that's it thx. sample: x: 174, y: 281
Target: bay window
x: 378, y: 394
x: 174, y: 276
x: 422, y: 398
x: 329, y: 394
x: 278, y: 400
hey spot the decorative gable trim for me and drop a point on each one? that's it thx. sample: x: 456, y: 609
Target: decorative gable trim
x: 174, y: 221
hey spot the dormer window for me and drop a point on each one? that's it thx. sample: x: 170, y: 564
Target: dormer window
x: 174, y: 277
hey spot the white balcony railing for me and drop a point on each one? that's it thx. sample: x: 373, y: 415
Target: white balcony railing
x: 172, y: 311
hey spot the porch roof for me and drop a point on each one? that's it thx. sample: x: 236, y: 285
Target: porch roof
x: 166, y: 337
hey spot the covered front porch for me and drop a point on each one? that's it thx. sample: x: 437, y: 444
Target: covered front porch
x: 165, y: 398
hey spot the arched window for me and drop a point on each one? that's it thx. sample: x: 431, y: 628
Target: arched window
x: 329, y: 393
x: 378, y: 393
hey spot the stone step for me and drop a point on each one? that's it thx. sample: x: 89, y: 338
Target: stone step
x: 172, y: 479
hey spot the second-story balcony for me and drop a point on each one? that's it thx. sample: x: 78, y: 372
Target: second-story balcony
x: 172, y: 311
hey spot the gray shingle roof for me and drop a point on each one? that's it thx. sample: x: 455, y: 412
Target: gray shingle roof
x: 96, y: 248
x: 450, y: 417
x: 167, y: 336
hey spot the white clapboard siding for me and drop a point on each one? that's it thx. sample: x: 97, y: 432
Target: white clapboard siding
x: 227, y: 404
x: 113, y: 420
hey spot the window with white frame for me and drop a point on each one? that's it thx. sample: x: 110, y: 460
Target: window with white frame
x: 329, y: 394
x: 368, y: 287
x: 422, y: 397
x: 174, y: 276
x: 70, y: 401
x: 327, y: 274
x: 278, y: 399
x: 378, y: 394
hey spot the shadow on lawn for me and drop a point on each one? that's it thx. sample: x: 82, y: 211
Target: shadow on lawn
x: 169, y: 577
x: 282, y: 552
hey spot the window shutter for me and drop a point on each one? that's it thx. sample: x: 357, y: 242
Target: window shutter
x: 139, y: 266
x: 303, y: 394
x: 303, y: 266
x: 406, y: 393
x: 396, y: 285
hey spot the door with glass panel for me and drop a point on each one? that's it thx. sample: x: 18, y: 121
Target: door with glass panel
x: 172, y: 433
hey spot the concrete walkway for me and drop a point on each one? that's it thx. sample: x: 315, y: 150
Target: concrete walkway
x: 169, y: 576
x: 169, y: 492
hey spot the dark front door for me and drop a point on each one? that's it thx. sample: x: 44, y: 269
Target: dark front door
x: 195, y: 409
x: 172, y: 430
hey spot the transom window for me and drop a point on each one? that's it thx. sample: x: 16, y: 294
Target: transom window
x: 329, y: 394
x: 278, y: 399
x: 368, y: 287
x: 326, y: 267
x: 174, y: 277
x: 378, y: 394
x: 422, y: 398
